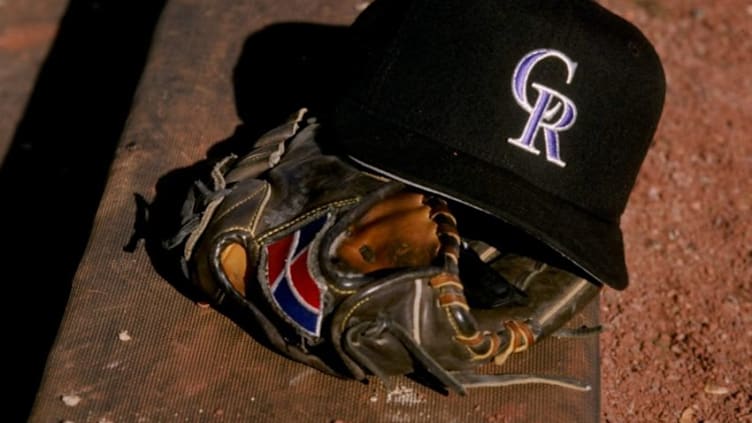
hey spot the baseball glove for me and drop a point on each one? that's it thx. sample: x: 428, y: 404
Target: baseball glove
x: 357, y: 275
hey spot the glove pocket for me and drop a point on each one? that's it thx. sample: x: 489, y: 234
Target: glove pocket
x: 397, y: 326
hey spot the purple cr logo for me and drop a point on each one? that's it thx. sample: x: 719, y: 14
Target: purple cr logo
x: 552, y: 111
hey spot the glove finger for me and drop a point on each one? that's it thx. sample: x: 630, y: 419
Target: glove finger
x: 234, y: 263
x: 394, y: 204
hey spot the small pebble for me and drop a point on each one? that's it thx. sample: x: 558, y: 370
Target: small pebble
x: 71, y: 400
x: 716, y: 389
x: 687, y: 416
x: 124, y: 336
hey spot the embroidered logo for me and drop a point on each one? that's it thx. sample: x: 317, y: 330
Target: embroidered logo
x: 294, y: 290
x: 552, y: 111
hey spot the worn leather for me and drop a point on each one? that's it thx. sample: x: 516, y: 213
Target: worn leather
x: 385, y: 320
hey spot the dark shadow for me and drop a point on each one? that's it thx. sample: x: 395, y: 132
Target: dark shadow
x: 73, y: 121
x: 281, y: 68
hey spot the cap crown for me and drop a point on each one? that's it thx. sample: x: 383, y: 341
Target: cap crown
x: 538, y: 112
x: 564, y: 94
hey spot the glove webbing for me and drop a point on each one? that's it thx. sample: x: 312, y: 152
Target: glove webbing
x: 482, y: 345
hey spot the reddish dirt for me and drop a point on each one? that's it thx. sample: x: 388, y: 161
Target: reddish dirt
x: 677, y: 345
x: 677, y: 342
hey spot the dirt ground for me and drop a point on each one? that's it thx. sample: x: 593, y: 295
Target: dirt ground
x: 676, y: 346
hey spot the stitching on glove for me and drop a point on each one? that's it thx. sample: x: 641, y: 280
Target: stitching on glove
x: 253, y: 223
x: 305, y: 216
x: 241, y: 202
x: 351, y: 311
x: 338, y: 290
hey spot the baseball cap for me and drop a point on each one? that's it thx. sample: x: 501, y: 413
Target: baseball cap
x: 537, y: 112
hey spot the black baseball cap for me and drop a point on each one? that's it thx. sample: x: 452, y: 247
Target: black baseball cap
x: 537, y: 112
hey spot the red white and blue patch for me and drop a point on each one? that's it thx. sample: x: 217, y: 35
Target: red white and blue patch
x: 293, y: 289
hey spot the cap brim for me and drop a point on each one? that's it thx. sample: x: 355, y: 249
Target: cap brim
x: 593, y: 245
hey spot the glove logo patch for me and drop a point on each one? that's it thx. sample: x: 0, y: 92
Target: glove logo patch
x: 294, y: 290
x: 552, y: 112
